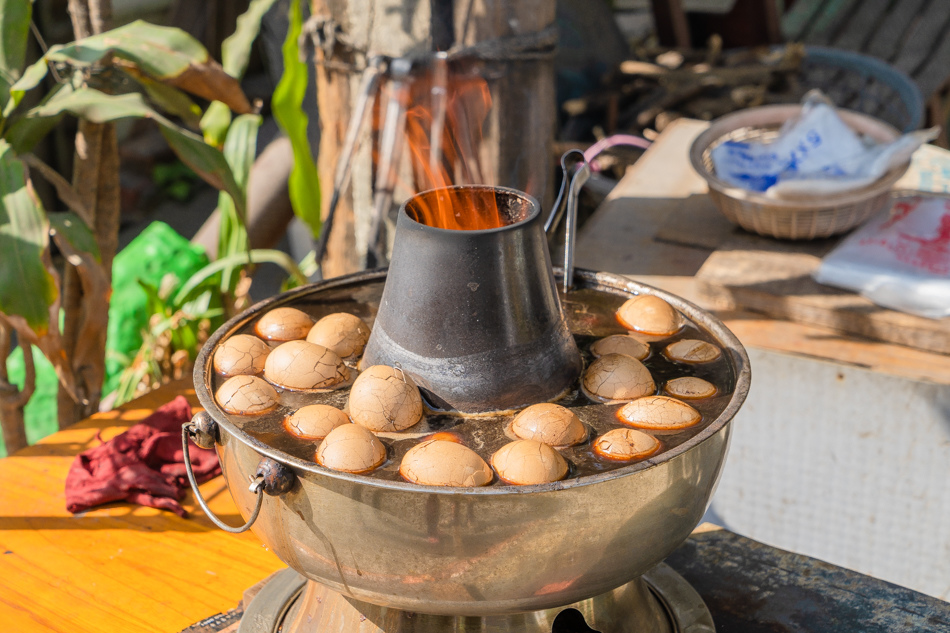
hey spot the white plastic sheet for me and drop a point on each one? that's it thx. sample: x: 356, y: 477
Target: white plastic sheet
x: 815, y: 154
x: 900, y: 259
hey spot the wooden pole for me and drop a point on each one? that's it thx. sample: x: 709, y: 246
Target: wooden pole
x: 517, y: 137
x: 96, y: 179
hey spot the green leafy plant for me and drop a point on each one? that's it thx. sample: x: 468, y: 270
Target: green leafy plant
x: 136, y: 71
x: 226, y: 281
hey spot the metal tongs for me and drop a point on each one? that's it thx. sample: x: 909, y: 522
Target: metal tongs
x: 576, y: 172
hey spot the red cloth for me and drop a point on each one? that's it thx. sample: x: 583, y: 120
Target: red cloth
x: 143, y: 465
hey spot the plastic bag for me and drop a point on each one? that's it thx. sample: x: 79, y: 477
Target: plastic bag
x: 815, y: 154
x: 900, y: 259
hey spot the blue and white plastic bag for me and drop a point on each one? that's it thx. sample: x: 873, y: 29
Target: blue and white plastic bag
x: 815, y: 154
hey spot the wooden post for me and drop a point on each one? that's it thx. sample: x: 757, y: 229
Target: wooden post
x: 96, y: 179
x: 517, y: 137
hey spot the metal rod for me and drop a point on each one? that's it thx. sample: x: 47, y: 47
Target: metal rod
x: 367, y: 91
x: 390, y: 151
x: 440, y: 79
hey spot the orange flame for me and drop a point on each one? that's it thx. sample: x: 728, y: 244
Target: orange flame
x: 450, y: 154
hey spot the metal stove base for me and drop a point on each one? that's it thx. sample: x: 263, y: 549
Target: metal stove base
x: 660, y: 601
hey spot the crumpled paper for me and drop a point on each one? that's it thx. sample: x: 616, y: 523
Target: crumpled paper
x: 815, y: 154
x: 900, y: 259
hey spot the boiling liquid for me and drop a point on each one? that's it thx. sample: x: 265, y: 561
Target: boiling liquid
x: 591, y: 315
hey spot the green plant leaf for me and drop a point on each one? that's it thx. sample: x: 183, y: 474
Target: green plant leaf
x: 171, y: 100
x: 27, y: 289
x: 240, y: 148
x: 255, y: 256
x: 15, y: 18
x: 236, y: 48
x: 215, y: 123
x: 71, y: 227
x: 98, y: 107
x: 25, y: 132
x: 286, y: 104
x: 163, y: 53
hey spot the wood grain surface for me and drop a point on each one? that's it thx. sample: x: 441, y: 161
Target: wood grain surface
x: 122, y: 567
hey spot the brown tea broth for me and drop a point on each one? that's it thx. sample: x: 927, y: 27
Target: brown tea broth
x: 591, y: 315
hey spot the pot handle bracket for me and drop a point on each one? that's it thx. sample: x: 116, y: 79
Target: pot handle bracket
x: 576, y: 173
x: 272, y: 477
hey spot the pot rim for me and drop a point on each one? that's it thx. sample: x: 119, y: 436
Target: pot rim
x: 605, y: 281
x: 466, y: 233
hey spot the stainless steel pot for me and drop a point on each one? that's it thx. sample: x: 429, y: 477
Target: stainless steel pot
x: 474, y: 552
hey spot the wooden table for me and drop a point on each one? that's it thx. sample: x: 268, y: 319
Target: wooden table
x: 841, y: 451
x: 118, y: 568
x: 127, y: 568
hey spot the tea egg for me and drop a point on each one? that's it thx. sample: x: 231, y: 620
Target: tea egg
x: 690, y: 388
x: 241, y: 354
x: 659, y: 413
x: 283, y: 324
x: 624, y: 445
x: 314, y: 421
x: 650, y: 315
x: 444, y: 463
x: 385, y: 399
x: 692, y: 351
x: 345, y: 334
x: 303, y: 365
x: 549, y: 424
x: 620, y: 344
x: 350, y: 448
x: 527, y: 462
x: 246, y: 395
x: 616, y: 377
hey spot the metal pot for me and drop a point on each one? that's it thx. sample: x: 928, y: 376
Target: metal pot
x: 473, y: 552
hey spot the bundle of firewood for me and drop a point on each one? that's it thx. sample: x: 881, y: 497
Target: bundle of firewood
x: 658, y: 86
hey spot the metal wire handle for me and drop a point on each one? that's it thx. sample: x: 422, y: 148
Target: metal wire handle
x: 257, y: 486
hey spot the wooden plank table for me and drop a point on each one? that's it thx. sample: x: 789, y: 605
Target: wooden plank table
x: 839, y: 448
x: 127, y: 568
x: 121, y: 567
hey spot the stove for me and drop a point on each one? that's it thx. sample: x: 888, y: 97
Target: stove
x: 475, y: 317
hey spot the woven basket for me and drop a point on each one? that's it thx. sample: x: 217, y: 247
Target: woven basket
x: 793, y: 219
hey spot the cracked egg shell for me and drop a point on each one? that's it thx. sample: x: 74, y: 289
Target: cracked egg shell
x: 527, y: 462
x: 350, y: 448
x: 625, y: 445
x: 385, y: 399
x: 283, y: 324
x: 692, y: 351
x: 346, y: 334
x: 240, y: 355
x: 314, y: 421
x: 659, y: 413
x: 620, y: 344
x: 650, y: 315
x: 690, y: 388
x: 303, y: 365
x: 444, y: 463
x: 246, y: 395
x: 549, y: 424
x: 617, y: 378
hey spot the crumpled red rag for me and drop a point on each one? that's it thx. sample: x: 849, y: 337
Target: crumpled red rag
x: 143, y: 465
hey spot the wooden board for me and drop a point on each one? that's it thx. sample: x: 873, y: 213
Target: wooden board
x: 774, y: 278
x: 121, y: 567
